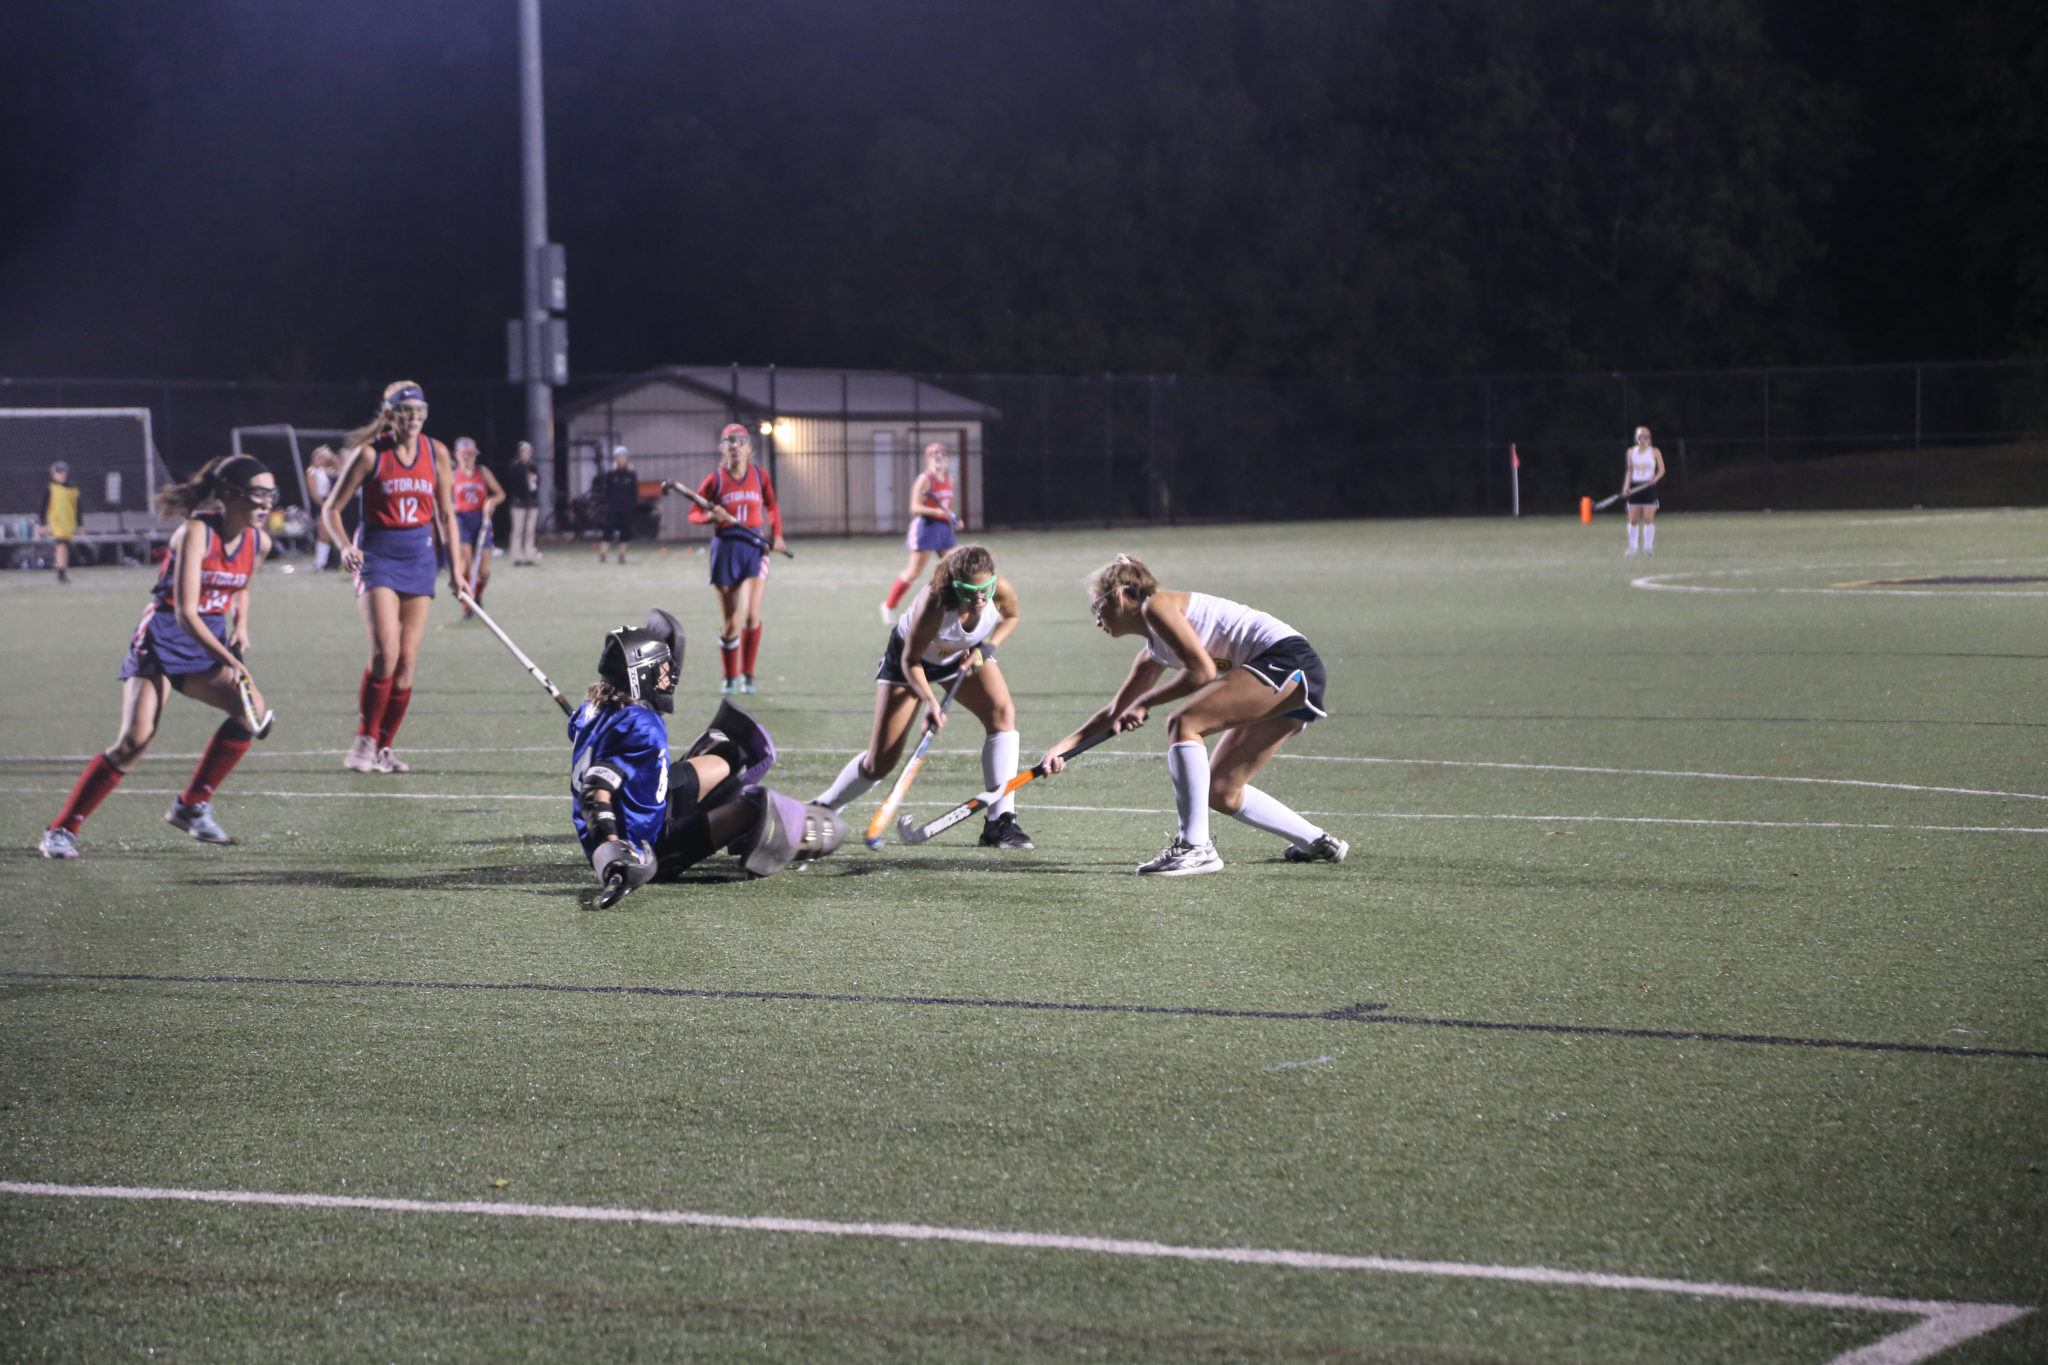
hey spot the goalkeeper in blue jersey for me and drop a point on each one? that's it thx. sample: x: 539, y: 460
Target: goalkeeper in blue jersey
x: 643, y: 818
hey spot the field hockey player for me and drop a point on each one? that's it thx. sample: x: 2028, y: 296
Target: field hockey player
x: 1642, y: 471
x: 1246, y: 675
x: 186, y: 642
x: 932, y: 523
x: 742, y: 503
x: 404, y: 478
x: 476, y: 493
x: 963, y: 613
x: 640, y: 818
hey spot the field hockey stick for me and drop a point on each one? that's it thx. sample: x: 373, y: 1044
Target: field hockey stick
x: 257, y: 728
x: 907, y: 833
x: 708, y: 507
x: 476, y: 559
x: 517, y: 653
x: 879, y: 826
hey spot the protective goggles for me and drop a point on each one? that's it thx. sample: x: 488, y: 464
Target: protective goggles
x: 256, y: 493
x: 976, y: 592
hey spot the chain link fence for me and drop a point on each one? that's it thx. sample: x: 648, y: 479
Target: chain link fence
x: 1061, y: 451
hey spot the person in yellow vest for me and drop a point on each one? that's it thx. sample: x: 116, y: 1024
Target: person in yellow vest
x: 61, y: 516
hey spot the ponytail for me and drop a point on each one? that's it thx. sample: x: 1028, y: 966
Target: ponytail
x: 223, y: 474
x: 1122, y: 577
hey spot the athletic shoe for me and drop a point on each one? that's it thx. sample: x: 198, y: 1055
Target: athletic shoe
x: 1326, y: 848
x: 362, y: 755
x: 58, y: 843
x: 388, y: 762
x: 1183, y: 859
x: 888, y: 617
x: 1629, y: 554
x: 1003, y: 831
x: 197, y: 821
x: 729, y: 687
x: 747, y: 683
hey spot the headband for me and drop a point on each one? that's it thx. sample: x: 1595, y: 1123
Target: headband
x: 407, y: 393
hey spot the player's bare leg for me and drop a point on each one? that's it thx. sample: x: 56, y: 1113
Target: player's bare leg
x: 894, y: 708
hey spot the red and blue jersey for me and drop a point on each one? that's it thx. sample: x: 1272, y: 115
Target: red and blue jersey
x: 222, y: 573
x: 470, y: 490
x: 938, y: 492
x: 750, y: 499
x: 398, y: 492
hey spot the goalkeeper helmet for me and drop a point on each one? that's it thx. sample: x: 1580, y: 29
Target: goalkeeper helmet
x: 638, y: 663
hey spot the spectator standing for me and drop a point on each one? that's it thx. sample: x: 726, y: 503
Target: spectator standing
x: 522, y: 487
x: 60, y: 514
x: 617, y: 496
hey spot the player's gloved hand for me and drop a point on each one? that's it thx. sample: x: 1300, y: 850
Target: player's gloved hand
x: 622, y: 868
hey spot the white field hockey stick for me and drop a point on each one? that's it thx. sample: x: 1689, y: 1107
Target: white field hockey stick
x: 1611, y: 499
x: 707, y: 506
x: 909, y: 834
x: 879, y: 826
x: 517, y: 653
x: 476, y: 558
x: 257, y: 728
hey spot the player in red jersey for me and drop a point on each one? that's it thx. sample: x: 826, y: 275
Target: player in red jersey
x: 932, y: 522
x: 404, y: 479
x: 745, y: 510
x: 476, y: 493
x: 186, y: 641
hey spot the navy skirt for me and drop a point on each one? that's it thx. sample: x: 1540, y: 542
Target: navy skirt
x: 929, y: 533
x: 1283, y: 662
x: 163, y: 649
x: 470, y: 526
x: 399, y: 558
x: 735, y: 559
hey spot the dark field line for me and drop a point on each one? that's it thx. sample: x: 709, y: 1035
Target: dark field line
x: 1345, y: 1014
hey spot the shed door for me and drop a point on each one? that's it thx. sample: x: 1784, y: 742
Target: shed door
x: 887, y: 513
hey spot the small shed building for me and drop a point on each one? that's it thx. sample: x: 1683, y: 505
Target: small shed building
x: 844, y: 446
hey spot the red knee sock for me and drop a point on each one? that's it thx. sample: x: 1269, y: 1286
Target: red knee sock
x: 896, y: 591
x: 94, y: 785
x: 394, y: 716
x: 223, y: 752
x: 750, y: 649
x: 478, y: 596
x: 729, y: 657
x: 371, y: 699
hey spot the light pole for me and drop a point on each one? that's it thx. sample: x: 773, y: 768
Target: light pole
x: 538, y: 341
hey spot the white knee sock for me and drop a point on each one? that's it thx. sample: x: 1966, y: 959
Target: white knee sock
x: 999, y: 765
x: 1649, y: 535
x: 850, y: 783
x: 1188, y: 761
x: 1261, y: 811
x: 1635, y: 536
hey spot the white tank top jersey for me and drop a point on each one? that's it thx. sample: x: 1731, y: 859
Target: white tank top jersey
x: 953, y: 639
x: 1230, y: 631
x: 1642, y: 465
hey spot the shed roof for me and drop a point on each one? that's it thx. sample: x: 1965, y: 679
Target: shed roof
x: 866, y: 394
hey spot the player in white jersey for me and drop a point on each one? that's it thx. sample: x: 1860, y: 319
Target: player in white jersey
x: 1247, y: 676
x: 955, y: 622
x: 1642, y: 471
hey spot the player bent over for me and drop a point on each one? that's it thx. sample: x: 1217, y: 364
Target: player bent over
x: 641, y: 818
x: 956, y: 619
x: 1246, y: 675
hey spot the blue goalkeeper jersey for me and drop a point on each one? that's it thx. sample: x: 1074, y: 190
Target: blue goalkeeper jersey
x: 631, y: 741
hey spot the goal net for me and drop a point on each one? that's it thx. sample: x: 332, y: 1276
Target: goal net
x: 287, y: 449
x: 112, y: 458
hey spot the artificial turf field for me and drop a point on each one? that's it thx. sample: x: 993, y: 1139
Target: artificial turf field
x: 1696, y: 939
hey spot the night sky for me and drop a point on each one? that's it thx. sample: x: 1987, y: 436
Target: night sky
x: 243, y: 189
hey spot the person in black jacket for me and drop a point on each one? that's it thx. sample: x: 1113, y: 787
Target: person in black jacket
x: 522, y: 483
x: 617, y: 496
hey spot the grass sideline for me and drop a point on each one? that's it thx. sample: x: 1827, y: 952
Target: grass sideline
x: 864, y: 1042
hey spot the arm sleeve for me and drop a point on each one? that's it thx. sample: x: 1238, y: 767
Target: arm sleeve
x: 771, y: 513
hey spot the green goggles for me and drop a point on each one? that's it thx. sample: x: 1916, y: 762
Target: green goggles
x: 976, y: 592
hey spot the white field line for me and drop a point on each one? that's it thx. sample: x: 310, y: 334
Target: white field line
x: 1141, y: 810
x: 1942, y: 1324
x: 1665, y: 582
x: 1113, y: 753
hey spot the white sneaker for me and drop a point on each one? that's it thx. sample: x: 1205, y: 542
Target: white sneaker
x: 1183, y: 859
x: 362, y: 755
x: 58, y: 843
x: 388, y: 762
x: 1629, y: 553
x: 1326, y: 848
x: 197, y: 821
